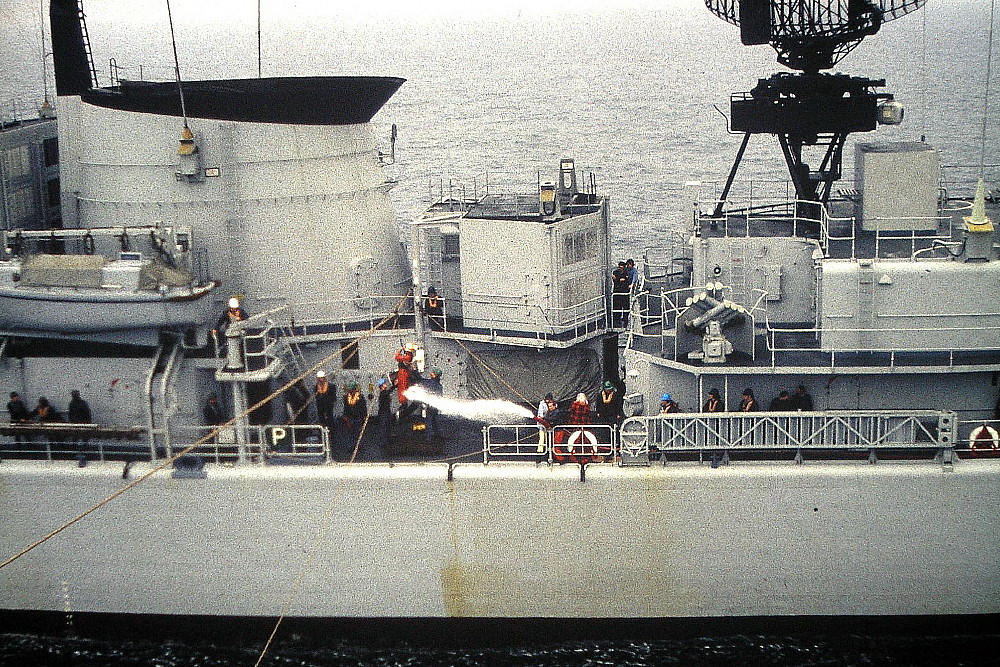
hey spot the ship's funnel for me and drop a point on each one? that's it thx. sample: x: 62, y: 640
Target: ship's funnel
x: 69, y: 52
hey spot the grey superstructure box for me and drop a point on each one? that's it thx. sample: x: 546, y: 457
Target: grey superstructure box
x: 899, y: 184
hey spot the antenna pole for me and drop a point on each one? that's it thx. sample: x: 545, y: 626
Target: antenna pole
x: 986, y: 92
x: 177, y: 64
x: 259, y: 75
x: 41, y: 26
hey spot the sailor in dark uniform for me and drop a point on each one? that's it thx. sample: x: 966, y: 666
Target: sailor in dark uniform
x: 18, y: 414
x: 714, y: 402
x: 802, y: 400
x: 434, y: 308
x: 355, y: 414
x: 325, y: 397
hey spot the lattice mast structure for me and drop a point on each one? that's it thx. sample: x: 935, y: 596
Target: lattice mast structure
x: 809, y: 107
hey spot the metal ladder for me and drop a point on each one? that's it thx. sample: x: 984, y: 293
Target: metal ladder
x: 295, y: 367
x: 866, y: 302
x: 86, y: 42
x: 430, y: 259
x: 296, y: 361
x: 737, y: 273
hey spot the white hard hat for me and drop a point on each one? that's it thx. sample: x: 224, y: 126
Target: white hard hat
x: 234, y: 302
x: 321, y: 374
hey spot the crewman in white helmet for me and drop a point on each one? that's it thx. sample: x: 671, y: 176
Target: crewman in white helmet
x: 325, y: 399
x: 234, y: 313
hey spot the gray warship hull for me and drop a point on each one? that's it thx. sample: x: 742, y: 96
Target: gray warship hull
x: 511, y: 540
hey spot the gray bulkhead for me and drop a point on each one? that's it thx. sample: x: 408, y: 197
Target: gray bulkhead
x: 908, y: 305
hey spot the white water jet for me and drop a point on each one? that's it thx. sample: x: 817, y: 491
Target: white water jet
x: 493, y: 411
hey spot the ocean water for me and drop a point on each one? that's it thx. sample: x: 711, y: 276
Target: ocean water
x: 737, y: 650
x: 626, y: 87
x: 507, y: 88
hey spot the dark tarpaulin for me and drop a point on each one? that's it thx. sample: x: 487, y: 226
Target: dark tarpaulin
x: 534, y: 373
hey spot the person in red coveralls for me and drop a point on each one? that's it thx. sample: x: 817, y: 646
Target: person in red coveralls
x: 405, y: 375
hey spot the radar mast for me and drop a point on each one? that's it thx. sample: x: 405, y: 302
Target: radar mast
x: 810, y: 108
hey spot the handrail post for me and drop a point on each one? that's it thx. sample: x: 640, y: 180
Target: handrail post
x: 240, y: 425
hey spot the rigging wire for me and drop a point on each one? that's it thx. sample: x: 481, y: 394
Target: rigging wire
x: 923, y: 75
x: 201, y: 441
x: 177, y: 64
x: 324, y: 529
x: 986, y: 93
x: 45, y: 74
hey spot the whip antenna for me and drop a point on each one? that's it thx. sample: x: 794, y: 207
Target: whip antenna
x: 45, y: 74
x: 177, y: 64
x: 986, y: 92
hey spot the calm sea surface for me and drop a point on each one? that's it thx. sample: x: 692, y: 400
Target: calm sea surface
x: 627, y: 88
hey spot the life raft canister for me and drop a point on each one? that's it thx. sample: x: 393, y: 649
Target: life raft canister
x: 984, y: 438
x: 580, y: 447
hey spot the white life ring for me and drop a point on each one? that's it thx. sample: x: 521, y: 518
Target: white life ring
x: 984, y: 434
x: 579, y: 435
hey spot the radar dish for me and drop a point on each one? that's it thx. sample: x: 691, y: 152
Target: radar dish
x: 810, y: 35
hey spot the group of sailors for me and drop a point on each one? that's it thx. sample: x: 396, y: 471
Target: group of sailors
x: 607, y: 409
x: 77, y: 412
x: 623, y: 279
x: 785, y: 401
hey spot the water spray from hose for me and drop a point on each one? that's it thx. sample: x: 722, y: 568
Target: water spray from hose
x: 493, y: 411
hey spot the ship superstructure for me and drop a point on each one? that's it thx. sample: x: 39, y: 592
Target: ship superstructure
x: 877, y: 299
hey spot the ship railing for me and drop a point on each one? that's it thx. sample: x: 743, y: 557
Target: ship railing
x: 284, y: 442
x: 958, y: 181
x: 889, y: 241
x: 459, y: 194
x: 734, y: 218
x: 590, y: 443
x: 258, y: 344
x: 979, y: 436
x: 138, y: 72
x: 85, y: 442
x: 333, y: 316
x: 645, y: 437
x: 16, y: 111
x: 859, y: 339
x: 752, y: 189
x: 659, y: 313
x: 513, y: 319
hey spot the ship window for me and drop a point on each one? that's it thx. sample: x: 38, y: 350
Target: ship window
x: 53, y: 186
x: 14, y: 162
x: 349, y: 356
x: 51, y: 149
x: 582, y: 245
x: 22, y: 209
x: 449, y: 247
